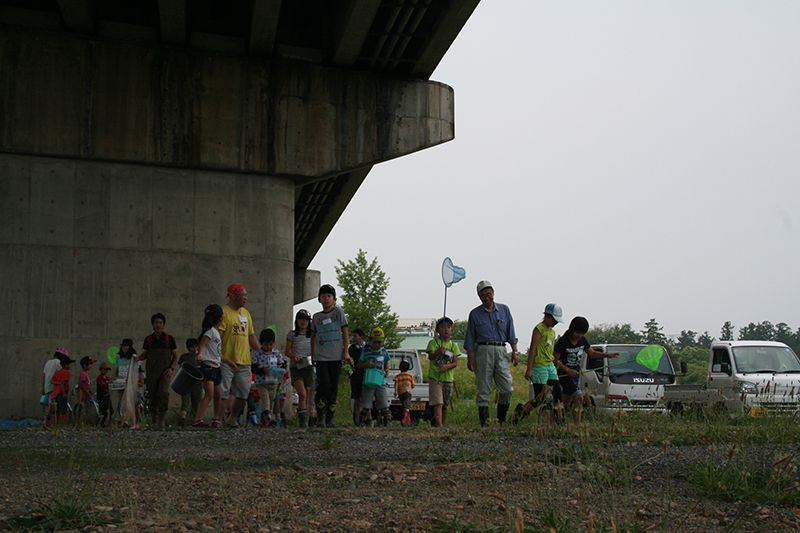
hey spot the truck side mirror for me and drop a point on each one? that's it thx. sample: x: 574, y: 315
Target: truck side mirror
x: 725, y: 368
x: 684, y: 368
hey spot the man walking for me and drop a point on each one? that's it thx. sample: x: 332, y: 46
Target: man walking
x: 489, y: 328
x: 238, y: 337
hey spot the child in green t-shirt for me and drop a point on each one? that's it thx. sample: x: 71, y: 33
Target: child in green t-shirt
x: 443, y: 355
x: 541, y: 371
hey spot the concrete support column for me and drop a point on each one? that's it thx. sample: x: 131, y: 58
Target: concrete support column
x: 137, y: 178
x: 91, y: 250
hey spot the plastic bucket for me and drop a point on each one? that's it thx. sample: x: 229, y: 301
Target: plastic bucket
x: 187, y: 376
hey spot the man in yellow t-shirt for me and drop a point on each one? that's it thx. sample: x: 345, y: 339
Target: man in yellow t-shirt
x: 238, y: 337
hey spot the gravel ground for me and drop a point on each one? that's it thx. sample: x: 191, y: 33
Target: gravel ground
x: 387, y: 479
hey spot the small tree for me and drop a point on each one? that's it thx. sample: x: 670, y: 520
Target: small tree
x: 704, y: 340
x: 686, y: 339
x: 784, y: 334
x: 613, y: 334
x: 726, y: 333
x: 459, y: 330
x: 764, y: 331
x: 364, y: 285
x: 651, y: 334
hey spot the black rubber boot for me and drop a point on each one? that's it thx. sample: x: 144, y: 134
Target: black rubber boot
x: 483, y: 415
x: 302, y: 418
x: 502, y: 410
x: 329, y: 416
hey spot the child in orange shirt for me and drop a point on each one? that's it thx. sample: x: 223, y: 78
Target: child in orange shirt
x: 403, y: 383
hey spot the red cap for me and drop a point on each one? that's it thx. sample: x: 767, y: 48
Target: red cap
x: 235, y: 288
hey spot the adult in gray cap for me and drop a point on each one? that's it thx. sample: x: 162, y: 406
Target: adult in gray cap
x: 489, y: 328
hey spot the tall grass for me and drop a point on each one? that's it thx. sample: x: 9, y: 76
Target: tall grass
x: 646, y: 428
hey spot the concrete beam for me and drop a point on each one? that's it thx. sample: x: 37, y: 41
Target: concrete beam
x: 311, y: 233
x: 264, y: 26
x: 306, y: 284
x: 126, y: 32
x: 217, y: 43
x: 442, y: 36
x: 30, y: 18
x: 78, y: 15
x: 124, y: 101
x: 357, y: 18
x: 172, y: 21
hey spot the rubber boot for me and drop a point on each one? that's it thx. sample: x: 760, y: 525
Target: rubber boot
x: 302, y: 418
x: 502, y: 410
x: 329, y: 417
x: 483, y: 415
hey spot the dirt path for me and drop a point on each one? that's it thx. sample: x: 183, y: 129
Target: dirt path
x: 377, y: 479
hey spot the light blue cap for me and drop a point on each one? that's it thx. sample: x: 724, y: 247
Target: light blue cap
x: 554, y: 310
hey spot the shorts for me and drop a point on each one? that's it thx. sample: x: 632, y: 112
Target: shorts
x: 62, y: 407
x: 405, y: 400
x: 306, y: 375
x: 266, y: 395
x: 570, y: 386
x: 440, y: 392
x: 377, y: 398
x: 211, y: 373
x: 235, y: 382
x: 542, y: 374
x: 104, y: 403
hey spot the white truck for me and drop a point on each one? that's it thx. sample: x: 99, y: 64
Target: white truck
x: 621, y: 383
x: 744, y: 377
x: 420, y: 410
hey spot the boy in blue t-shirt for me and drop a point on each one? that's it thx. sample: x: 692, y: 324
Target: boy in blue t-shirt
x: 375, y: 362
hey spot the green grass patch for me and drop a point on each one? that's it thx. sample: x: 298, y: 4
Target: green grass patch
x: 61, y: 514
x: 777, y: 483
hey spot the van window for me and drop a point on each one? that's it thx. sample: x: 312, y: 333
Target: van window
x: 720, y: 357
x: 592, y: 363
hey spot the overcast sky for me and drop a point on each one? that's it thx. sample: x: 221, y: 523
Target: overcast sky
x: 624, y: 159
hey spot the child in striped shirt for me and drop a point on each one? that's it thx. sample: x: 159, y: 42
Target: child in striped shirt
x: 403, y: 384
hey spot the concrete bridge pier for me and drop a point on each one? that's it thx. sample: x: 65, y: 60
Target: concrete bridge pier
x: 137, y: 178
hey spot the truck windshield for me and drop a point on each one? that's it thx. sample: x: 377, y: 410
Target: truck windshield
x: 773, y: 359
x: 411, y: 357
x: 626, y: 362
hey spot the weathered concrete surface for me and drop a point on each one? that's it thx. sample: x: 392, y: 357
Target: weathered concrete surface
x: 137, y: 178
x: 90, y: 250
x: 67, y: 95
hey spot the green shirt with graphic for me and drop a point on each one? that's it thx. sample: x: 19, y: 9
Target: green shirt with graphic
x: 451, y: 351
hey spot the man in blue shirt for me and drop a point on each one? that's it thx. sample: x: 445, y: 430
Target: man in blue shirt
x: 489, y: 328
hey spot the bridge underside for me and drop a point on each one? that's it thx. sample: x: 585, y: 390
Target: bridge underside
x: 153, y: 152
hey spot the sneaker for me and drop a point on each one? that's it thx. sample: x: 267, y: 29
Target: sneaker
x: 199, y: 424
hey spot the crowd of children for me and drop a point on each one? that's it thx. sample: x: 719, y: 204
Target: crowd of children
x: 315, y: 351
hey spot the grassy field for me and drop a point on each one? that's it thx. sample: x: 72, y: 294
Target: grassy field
x: 621, y: 472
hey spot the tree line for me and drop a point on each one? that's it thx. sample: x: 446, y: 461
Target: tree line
x: 364, y: 286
